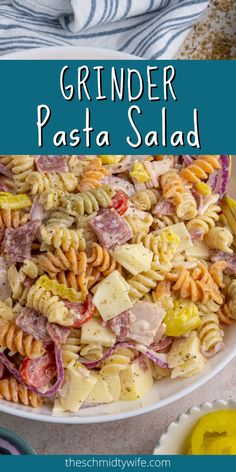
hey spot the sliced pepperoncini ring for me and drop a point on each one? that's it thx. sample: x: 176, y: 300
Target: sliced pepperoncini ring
x: 215, y: 433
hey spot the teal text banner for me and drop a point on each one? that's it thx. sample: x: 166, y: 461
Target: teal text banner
x: 120, y: 463
x: 117, y: 107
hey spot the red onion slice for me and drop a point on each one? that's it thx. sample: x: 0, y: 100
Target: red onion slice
x: 219, y: 180
x: 10, y: 448
x: 5, y: 171
x: 159, y: 359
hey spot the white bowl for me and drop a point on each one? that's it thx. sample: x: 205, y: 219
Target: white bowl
x: 163, y: 392
x: 175, y: 439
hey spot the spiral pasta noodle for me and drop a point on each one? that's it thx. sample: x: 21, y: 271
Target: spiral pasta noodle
x: 58, y: 261
x: 63, y: 238
x: 117, y: 361
x: 210, y: 335
x: 92, y: 175
x: 71, y: 348
x: 49, y: 305
x: 206, y: 221
x: 173, y: 187
x: 142, y: 283
x: 92, y: 351
x: 232, y: 296
x: 196, y: 285
x: 139, y: 225
x: 161, y: 222
x: 13, y: 391
x: 39, y: 183
x: 186, y: 209
x: 78, y: 281
x: 200, y: 169
x: 22, y: 167
x: 88, y: 202
x: 14, y: 339
x: 102, y: 259
x: 145, y: 199
x: 220, y: 238
x: 12, y: 218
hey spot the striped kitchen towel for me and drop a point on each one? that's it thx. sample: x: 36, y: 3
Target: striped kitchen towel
x: 152, y: 29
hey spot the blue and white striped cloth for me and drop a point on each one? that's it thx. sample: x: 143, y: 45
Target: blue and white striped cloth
x: 152, y: 29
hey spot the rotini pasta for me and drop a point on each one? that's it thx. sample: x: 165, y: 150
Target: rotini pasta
x: 186, y: 209
x: 14, y: 339
x: 210, y: 335
x: 12, y: 218
x: 13, y: 391
x: 200, y: 168
x: 219, y: 238
x: 107, y: 262
x: 63, y: 238
x: 39, y: 183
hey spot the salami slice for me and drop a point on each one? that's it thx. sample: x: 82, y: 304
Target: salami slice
x: 120, y: 325
x: 39, y: 372
x: 34, y: 323
x: 51, y: 163
x: 230, y: 259
x: 17, y: 242
x: 57, y: 333
x: 110, y: 228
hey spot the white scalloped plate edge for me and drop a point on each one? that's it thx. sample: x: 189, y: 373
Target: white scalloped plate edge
x: 185, y: 421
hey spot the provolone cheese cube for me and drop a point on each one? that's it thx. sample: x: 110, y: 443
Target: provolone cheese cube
x: 93, y: 332
x: 78, y: 383
x: 199, y: 250
x: 111, y: 297
x: 185, y: 357
x: 134, y: 257
x: 114, y: 386
x: 181, y: 231
x: 136, y: 380
x: 100, y: 392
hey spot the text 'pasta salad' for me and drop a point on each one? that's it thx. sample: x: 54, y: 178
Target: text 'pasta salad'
x: 115, y: 271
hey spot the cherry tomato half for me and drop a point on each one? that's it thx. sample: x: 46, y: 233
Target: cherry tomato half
x: 39, y: 372
x: 120, y: 202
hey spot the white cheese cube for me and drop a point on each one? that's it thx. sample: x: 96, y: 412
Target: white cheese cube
x: 114, y: 386
x: 185, y: 357
x: 181, y: 231
x: 134, y: 257
x: 100, y: 392
x: 94, y: 332
x: 199, y: 250
x: 136, y: 380
x: 78, y: 384
x: 111, y: 297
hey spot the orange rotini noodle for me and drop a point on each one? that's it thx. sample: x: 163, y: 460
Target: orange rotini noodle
x: 16, y: 340
x: 13, y: 391
x: 200, y: 168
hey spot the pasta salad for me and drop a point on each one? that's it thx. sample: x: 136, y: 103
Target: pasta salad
x: 116, y: 271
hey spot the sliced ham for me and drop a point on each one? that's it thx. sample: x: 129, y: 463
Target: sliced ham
x: 110, y: 228
x: 34, y: 323
x: 57, y: 333
x: 146, y: 320
x: 230, y: 259
x: 51, y: 163
x: 164, y: 207
x: 17, y: 242
x: 120, y: 184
